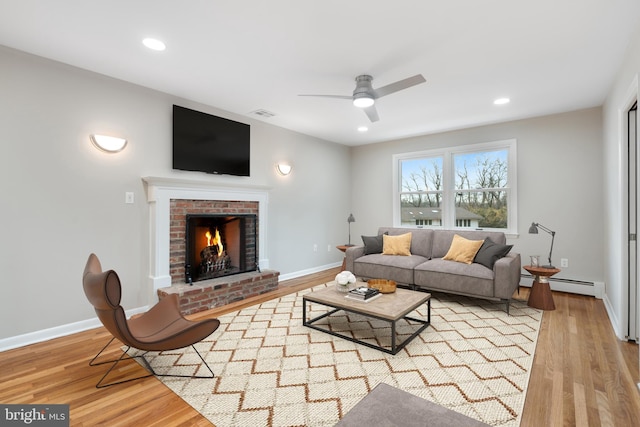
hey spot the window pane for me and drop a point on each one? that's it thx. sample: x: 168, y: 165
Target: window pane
x: 487, y: 169
x: 421, y: 174
x: 468, y: 186
x: 481, y: 209
x: 419, y: 210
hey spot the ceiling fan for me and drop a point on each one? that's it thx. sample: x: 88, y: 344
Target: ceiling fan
x: 364, y: 95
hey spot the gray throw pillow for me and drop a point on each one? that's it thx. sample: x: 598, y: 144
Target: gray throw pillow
x: 491, y: 252
x: 372, y: 244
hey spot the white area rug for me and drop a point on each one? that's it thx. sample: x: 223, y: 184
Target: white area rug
x: 272, y: 371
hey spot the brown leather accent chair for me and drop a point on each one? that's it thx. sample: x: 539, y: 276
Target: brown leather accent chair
x: 162, y: 328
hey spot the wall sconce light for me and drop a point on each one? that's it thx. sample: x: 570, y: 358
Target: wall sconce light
x: 284, y: 169
x: 109, y: 144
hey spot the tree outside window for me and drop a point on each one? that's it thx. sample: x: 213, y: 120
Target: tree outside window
x: 467, y: 187
x: 481, y: 182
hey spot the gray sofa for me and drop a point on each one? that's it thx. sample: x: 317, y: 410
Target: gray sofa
x: 426, y: 269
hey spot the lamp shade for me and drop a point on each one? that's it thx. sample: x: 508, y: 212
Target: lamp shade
x: 109, y: 144
x: 351, y: 218
x: 284, y: 169
x: 533, y: 229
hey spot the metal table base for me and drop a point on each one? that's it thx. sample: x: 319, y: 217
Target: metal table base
x: 395, y: 347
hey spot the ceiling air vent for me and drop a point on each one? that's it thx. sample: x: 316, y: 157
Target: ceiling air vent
x: 263, y: 113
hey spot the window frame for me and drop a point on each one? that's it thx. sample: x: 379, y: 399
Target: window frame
x: 448, y: 179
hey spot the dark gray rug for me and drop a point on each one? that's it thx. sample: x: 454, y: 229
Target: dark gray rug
x: 388, y: 406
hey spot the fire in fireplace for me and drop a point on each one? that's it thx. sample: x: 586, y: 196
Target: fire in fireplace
x: 220, y: 245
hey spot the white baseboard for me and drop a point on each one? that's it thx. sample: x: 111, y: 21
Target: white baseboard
x: 594, y: 289
x: 615, y: 322
x: 301, y: 273
x: 56, y: 332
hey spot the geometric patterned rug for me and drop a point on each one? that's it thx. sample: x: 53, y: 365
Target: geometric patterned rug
x: 272, y: 371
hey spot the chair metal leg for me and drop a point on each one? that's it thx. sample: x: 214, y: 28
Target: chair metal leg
x: 148, y: 367
x: 184, y: 376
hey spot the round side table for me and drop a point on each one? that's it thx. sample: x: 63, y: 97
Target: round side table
x: 343, y: 248
x: 540, y: 296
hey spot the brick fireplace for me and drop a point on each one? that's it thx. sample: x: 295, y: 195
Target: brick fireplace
x: 170, y: 201
x: 181, y: 210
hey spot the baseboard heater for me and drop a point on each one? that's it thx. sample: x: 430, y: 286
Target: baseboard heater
x: 581, y: 287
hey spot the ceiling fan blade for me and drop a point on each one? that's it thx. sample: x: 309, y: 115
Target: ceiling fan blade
x: 372, y: 113
x: 399, y: 85
x: 331, y: 96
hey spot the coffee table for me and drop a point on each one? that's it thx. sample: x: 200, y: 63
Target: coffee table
x: 387, y: 307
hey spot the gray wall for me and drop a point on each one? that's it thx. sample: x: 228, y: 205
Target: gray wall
x: 62, y: 198
x: 559, y: 184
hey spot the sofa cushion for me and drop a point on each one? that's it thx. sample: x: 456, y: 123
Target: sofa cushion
x: 421, y: 239
x: 491, y: 252
x: 443, y: 238
x: 396, y: 245
x: 455, y: 277
x: 379, y: 266
x: 372, y: 244
x: 463, y: 250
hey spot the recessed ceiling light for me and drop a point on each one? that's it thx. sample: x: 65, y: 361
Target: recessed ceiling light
x: 363, y: 129
x: 154, y: 44
x: 502, y: 101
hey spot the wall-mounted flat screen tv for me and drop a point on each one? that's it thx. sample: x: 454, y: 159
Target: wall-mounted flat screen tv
x: 206, y: 143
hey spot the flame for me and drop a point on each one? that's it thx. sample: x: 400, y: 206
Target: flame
x: 217, y: 240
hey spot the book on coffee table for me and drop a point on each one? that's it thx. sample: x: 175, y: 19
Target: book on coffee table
x: 357, y: 299
x: 363, y: 293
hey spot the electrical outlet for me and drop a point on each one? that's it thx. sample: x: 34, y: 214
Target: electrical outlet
x: 328, y: 248
x: 128, y: 197
x: 315, y: 247
x: 564, y: 262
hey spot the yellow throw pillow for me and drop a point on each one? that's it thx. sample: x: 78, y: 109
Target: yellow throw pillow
x: 397, y: 245
x: 463, y: 250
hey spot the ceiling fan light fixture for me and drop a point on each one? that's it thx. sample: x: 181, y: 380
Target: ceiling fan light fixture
x: 363, y: 101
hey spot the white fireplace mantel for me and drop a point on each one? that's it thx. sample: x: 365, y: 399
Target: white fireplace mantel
x: 160, y: 192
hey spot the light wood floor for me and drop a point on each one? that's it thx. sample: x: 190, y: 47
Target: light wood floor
x: 582, y: 374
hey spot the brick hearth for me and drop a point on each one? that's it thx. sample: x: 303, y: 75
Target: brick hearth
x: 216, y: 292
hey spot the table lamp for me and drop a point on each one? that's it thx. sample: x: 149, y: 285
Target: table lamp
x: 534, y: 230
x: 349, y: 221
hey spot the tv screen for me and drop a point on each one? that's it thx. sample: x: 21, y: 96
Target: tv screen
x: 206, y: 143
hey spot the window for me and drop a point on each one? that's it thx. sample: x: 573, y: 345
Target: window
x: 459, y: 187
x: 463, y: 223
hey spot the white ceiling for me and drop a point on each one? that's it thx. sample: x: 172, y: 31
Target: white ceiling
x: 548, y: 56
